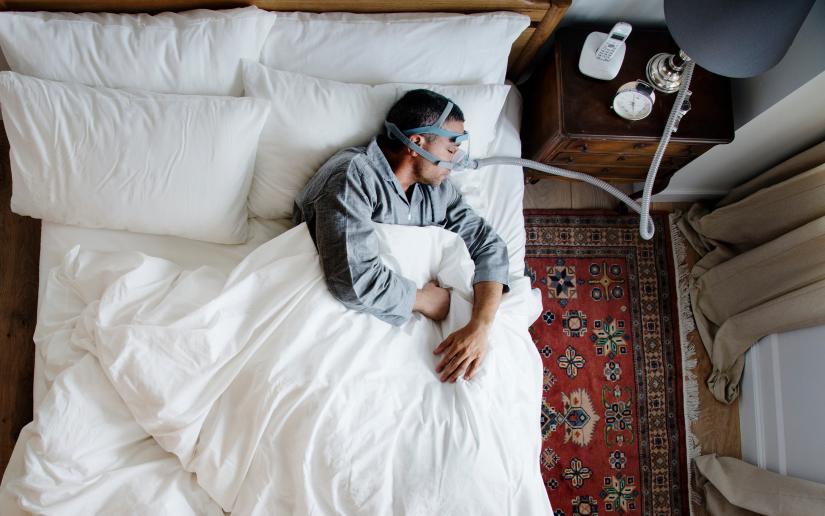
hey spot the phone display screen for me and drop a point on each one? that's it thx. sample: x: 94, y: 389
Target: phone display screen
x: 617, y: 36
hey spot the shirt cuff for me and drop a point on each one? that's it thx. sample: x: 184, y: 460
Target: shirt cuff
x: 408, y: 300
x: 402, y: 311
x: 492, y: 275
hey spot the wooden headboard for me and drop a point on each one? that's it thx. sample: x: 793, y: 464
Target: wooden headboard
x: 544, y: 15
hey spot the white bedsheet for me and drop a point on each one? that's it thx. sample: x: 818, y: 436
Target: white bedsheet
x: 279, y: 404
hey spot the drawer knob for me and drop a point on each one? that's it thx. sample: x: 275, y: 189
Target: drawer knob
x: 583, y: 147
x: 569, y: 159
x: 620, y: 158
x: 639, y: 145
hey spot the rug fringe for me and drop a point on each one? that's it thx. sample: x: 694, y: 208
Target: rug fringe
x: 690, y: 383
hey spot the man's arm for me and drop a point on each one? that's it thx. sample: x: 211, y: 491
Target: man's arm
x: 464, y: 350
x: 348, y: 247
x: 487, y: 249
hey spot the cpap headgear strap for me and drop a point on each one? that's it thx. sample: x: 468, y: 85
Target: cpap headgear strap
x: 459, y: 158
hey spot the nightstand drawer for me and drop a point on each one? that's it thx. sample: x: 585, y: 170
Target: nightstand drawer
x: 617, y: 160
x: 631, y: 147
x: 616, y: 174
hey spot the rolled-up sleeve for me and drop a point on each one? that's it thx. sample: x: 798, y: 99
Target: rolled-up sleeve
x: 348, y: 247
x: 487, y: 249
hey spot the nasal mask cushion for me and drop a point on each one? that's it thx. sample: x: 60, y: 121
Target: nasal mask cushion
x: 459, y: 158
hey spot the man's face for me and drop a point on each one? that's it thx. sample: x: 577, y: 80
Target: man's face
x: 443, y: 149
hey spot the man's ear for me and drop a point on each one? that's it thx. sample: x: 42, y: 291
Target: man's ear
x: 417, y: 139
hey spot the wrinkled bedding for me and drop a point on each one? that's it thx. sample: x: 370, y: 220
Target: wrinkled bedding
x: 173, y: 391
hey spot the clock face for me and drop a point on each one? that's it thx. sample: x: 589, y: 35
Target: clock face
x: 632, y: 105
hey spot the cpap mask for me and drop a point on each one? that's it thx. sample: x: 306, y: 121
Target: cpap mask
x: 459, y: 158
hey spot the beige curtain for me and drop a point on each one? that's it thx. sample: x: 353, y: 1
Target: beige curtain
x: 762, y: 269
x: 731, y: 487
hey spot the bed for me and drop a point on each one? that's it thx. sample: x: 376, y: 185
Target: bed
x: 97, y: 449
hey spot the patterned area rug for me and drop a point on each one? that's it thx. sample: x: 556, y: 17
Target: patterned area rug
x: 612, y: 414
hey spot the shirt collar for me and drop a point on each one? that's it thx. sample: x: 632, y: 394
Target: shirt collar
x: 379, y: 161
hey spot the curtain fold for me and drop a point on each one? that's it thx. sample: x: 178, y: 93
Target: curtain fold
x: 731, y: 487
x: 762, y: 269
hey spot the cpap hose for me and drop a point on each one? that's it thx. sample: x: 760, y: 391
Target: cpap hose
x: 657, y: 158
x: 549, y: 169
x: 646, y: 226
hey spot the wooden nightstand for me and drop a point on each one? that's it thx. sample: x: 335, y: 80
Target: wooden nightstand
x: 568, y: 121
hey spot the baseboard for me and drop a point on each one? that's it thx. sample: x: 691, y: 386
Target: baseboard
x: 683, y: 195
x: 751, y: 430
x: 761, y: 413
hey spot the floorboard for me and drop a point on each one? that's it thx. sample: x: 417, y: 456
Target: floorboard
x: 19, y: 258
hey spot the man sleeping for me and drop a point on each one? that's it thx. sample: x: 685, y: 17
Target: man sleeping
x: 397, y: 179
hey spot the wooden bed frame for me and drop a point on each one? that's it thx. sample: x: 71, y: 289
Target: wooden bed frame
x: 20, y: 236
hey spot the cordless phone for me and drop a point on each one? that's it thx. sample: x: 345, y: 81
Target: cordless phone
x: 602, y: 54
x: 617, y: 35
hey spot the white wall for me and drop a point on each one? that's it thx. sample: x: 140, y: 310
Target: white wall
x: 647, y: 13
x: 791, y: 125
x: 782, y: 404
x: 804, y: 61
x: 3, y: 66
x: 777, y: 114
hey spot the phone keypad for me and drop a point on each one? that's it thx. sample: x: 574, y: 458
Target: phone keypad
x: 606, y: 52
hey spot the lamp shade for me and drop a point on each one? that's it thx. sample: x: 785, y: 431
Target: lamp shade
x: 735, y: 38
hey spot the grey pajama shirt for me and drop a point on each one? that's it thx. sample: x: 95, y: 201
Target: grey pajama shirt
x: 357, y: 187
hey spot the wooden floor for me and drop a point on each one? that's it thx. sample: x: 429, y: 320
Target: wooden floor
x: 717, y: 428
x: 19, y: 257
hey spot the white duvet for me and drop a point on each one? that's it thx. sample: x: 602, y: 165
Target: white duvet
x: 192, y: 392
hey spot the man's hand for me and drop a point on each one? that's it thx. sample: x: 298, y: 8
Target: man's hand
x: 463, y: 350
x: 432, y: 301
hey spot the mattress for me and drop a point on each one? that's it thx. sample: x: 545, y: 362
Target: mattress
x: 500, y: 203
x: 497, y: 195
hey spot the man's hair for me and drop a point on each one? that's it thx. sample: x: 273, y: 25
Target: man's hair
x: 417, y: 108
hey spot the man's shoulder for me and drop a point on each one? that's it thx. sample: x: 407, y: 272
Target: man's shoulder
x: 351, y: 163
x: 347, y: 166
x: 344, y: 157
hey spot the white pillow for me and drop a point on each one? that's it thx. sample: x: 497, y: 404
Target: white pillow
x: 312, y: 119
x: 196, y: 52
x: 405, y: 47
x: 146, y: 162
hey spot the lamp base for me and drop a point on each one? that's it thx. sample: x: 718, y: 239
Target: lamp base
x: 664, y: 71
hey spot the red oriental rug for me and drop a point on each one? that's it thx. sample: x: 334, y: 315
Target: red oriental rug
x: 612, y: 413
